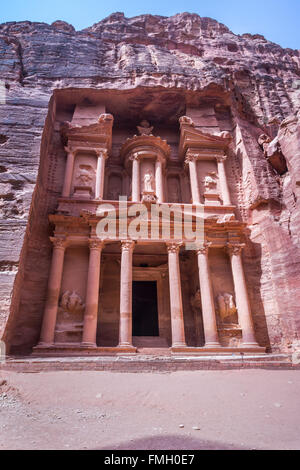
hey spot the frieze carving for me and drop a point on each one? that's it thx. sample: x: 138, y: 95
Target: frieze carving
x: 195, y: 300
x: 144, y: 128
x: 210, y: 182
x: 71, y: 302
x: 186, y: 120
x: 226, y: 304
x: 85, y: 175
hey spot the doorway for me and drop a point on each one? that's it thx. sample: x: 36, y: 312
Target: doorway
x: 144, y: 308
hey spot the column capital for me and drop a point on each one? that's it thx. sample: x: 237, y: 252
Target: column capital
x: 173, y: 247
x: 134, y: 156
x: 203, y: 250
x: 221, y: 158
x: 59, y: 242
x: 127, y: 245
x: 69, y: 150
x: 101, y: 153
x: 96, y: 244
x: 235, y: 248
x: 191, y: 157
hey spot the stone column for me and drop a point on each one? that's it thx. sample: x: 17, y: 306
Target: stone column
x: 125, y: 331
x: 136, y: 179
x: 54, y: 285
x: 102, y: 155
x: 177, y: 323
x: 92, y: 294
x: 241, y: 295
x: 223, y: 181
x: 192, y: 162
x: 68, y: 173
x: 159, y: 181
x: 207, y: 300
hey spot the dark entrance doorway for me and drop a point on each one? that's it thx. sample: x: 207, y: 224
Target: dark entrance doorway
x: 144, y: 309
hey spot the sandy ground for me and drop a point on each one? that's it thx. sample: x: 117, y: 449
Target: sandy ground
x: 247, y: 409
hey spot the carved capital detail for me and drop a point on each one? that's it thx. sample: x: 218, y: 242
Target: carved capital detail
x: 173, y: 247
x: 235, y: 248
x: 134, y: 156
x: 101, y: 153
x: 95, y: 244
x: 59, y: 242
x: 191, y: 157
x: 203, y: 250
x: 221, y: 158
x: 127, y: 245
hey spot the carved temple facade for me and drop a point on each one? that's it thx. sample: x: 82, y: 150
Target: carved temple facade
x: 117, y: 293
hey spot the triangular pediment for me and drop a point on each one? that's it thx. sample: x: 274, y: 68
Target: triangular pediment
x: 190, y: 137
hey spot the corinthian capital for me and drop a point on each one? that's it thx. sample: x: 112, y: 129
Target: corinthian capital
x: 203, y: 250
x: 173, y: 247
x: 59, y: 242
x: 191, y: 157
x: 221, y: 158
x: 235, y: 248
x: 102, y: 153
x: 127, y: 245
x: 96, y: 244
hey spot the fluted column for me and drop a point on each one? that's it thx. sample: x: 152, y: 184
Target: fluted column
x: 92, y: 294
x: 241, y: 295
x: 159, y: 181
x: 54, y: 285
x: 68, y: 173
x: 192, y: 162
x: 102, y: 155
x: 207, y: 300
x: 125, y: 331
x: 177, y: 322
x: 223, y: 181
x: 136, y: 179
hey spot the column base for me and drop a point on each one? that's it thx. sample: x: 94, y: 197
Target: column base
x: 88, y: 345
x: 43, y: 345
x: 127, y: 348
x: 251, y: 344
x: 212, y: 344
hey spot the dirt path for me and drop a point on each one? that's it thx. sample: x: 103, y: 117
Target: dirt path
x: 249, y: 409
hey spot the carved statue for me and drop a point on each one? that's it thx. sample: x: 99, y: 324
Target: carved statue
x: 144, y: 128
x: 226, y: 305
x: 195, y: 300
x: 148, y: 179
x: 71, y: 302
x: 85, y: 175
x: 210, y: 181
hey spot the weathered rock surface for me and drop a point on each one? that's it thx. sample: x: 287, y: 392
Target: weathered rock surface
x: 184, y: 54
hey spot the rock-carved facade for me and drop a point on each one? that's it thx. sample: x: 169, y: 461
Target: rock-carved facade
x: 177, y: 112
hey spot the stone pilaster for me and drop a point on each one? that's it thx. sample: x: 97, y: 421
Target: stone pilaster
x: 102, y: 155
x: 177, y: 322
x: 68, y: 173
x: 159, y: 181
x: 191, y: 161
x: 207, y: 300
x: 92, y: 294
x: 223, y: 181
x: 136, y: 179
x: 125, y: 330
x: 54, y: 285
x: 241, y: 295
